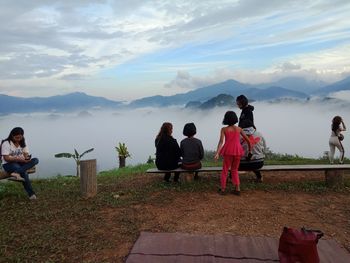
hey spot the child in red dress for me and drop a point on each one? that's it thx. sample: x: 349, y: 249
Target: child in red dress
x: 230, y: 148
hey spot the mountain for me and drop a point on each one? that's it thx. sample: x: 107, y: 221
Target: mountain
x: 222, y: 100
x: 337, y: 86
x: 229, y: 87
x: 68, y: 102
x: 295, y: 83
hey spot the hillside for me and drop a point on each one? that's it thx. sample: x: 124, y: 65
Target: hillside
x: 229, y: 87
x: 68, y: 102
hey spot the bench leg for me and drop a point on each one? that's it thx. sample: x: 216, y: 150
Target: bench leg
x: 334, y: 178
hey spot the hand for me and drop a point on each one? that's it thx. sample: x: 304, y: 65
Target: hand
x: 249, y: 156
x: 216, y: 157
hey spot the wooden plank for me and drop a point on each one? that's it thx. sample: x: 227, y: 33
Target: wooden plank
x: 304, y: 167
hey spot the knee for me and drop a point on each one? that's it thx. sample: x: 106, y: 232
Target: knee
x: 35, y: 161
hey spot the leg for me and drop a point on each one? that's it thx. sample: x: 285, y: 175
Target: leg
x: 331, y: 151
x: 225, y: 167
x: 15, y: 167
x: 340, y: 147
x: 176, y: 177
x: 167, y: 177
x: 234, y: 172
x: 29, y: 165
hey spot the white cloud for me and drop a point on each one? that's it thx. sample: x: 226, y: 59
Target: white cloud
x: 48, y: 43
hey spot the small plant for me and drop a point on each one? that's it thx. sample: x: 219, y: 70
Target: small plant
x: 150, y: 160
x: 76, y: 156
x: 123, y: 153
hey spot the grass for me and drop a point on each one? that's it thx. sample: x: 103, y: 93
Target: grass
x: 61, y: 226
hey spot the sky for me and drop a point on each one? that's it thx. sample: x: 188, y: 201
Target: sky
x: 125, y: 50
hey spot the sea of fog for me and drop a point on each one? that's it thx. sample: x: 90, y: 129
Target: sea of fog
x: 288, y: 127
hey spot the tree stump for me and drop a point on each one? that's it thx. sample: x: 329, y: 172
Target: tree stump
x: 122, y: 161
x: 88, y: 181
x: 334, y: 178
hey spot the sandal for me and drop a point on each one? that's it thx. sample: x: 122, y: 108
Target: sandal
x: 16, y: 177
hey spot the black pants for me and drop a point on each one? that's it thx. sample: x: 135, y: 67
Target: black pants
x: 167, y: 176
x: 251, y: 166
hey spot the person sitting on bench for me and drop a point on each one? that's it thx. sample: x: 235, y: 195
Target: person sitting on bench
x: 254, y: 161
x: 168, y: 152
x: 192, y: 151
x: 16, y: 159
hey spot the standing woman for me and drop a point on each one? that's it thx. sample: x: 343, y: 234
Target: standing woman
x: 336, y: 137
x: 168, y: 152
x: 16, y: 159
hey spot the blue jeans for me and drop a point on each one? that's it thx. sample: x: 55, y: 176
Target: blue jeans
x: 22, y: 168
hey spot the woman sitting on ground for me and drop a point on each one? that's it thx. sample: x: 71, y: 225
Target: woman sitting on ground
x: 167, y: 151
x: 16, y: 159
x: 192, y: 151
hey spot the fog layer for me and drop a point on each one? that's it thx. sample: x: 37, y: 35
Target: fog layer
x: 292, y: 128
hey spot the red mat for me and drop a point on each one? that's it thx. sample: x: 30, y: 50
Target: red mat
x: 179, y: 247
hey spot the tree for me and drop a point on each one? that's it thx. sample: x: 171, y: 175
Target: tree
x: 76, y: 156
x: 123, y: 153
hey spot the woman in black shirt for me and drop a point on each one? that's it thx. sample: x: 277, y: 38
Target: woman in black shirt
x: 167, y: 151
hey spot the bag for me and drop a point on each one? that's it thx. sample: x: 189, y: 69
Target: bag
x: 340, y: 137
x: 299, y: 245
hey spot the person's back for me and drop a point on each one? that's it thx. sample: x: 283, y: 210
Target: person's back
x: 167, y: 153
x: 191, y: 150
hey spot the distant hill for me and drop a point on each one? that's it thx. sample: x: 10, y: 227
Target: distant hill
x: 337, y: 86
x: 296, y: 84
x: 222, y: 100
x: 68, y: 102
x: 229, y: 87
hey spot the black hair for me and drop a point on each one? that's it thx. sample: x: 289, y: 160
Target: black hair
x: 17, y: 131
x: 336, y: 123
x: 230, y: 118
x: 242, y: 100
x: 189, y: 129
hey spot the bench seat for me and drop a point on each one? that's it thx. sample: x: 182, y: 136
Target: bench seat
x: 283, y: 167
x: 333, y: 172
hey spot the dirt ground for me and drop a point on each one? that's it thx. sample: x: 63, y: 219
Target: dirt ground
x: 254, y: 213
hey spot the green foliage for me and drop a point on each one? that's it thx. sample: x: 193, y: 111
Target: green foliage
x: 150, y: 160
x: 122, y: 150
x: 76, y: 156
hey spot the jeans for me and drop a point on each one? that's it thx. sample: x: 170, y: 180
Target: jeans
x: 22, y: 168
x: 251, y: 166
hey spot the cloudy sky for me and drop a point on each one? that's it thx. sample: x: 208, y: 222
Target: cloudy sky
x: 125, y: 50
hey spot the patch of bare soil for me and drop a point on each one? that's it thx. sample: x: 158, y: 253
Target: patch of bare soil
x: 254, y: 213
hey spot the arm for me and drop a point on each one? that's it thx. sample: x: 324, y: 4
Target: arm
x: 343, y: 124
x: 201, y: 150
x: 245, y: 137
x: 221, y: 141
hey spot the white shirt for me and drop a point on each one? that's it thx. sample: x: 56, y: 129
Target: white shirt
x: 8, y: 148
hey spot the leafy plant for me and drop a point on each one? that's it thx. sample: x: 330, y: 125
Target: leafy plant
x: 76, y: 156
x: 123, y: 153
x: 122, y: 150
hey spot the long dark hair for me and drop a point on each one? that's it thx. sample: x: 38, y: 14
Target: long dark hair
x: 336, y: 123
x: 166, y: 130
x: 16, y: 131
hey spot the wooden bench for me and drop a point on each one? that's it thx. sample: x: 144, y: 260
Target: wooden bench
x: 333, y: 172
x: 5, y: 175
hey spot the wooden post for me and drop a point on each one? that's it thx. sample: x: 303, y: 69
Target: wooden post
x: 334, y: 178
x: 88, y: 181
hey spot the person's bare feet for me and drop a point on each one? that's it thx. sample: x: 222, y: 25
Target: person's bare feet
x: 16, y: 177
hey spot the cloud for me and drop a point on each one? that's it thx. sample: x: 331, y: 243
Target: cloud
x: 64, y: 40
